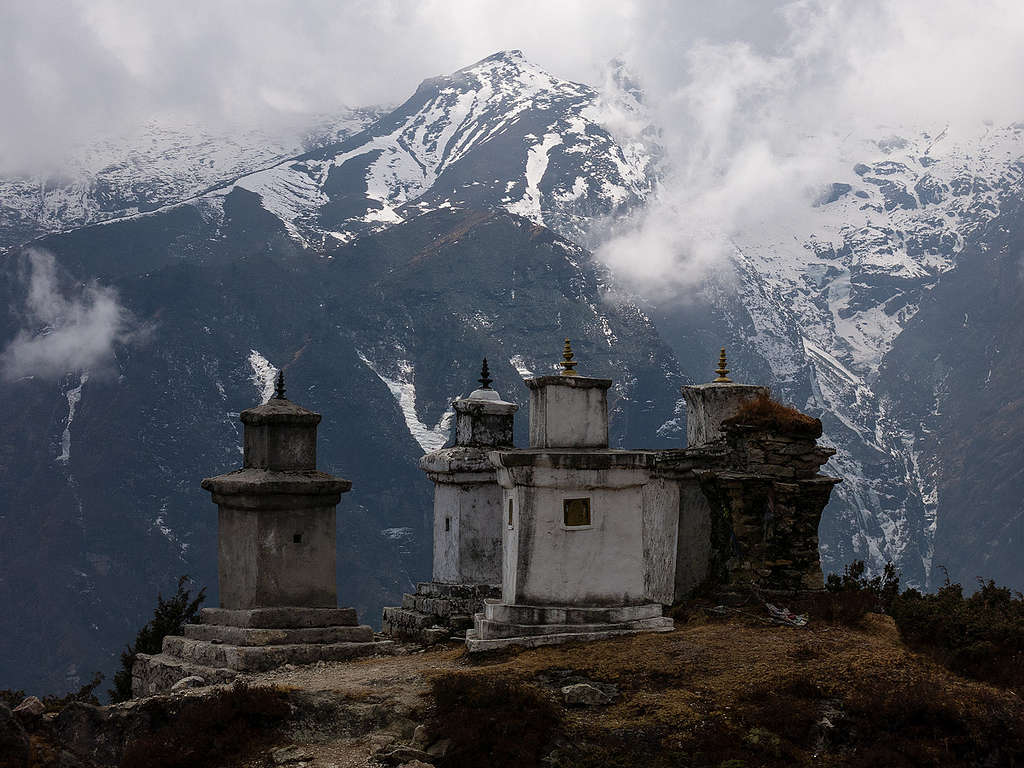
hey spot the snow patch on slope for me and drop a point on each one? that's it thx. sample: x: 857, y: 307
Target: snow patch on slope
x: 536, y: 165
x: 404, y: 391
x: 74, y: 397
x: 263, y: 374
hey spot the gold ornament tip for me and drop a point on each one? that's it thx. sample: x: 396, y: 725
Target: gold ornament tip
x: 568, y: 363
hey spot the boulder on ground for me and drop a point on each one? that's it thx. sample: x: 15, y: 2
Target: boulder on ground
x: 584, y: 695
x: 30, y: 708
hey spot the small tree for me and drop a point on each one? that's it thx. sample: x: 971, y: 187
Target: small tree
x: 168, y: 619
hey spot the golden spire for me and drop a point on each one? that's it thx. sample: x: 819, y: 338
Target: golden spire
x: 722, y: 370
x: 568, y: 364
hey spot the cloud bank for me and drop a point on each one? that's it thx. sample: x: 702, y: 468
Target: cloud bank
x: 71, y: 70
x: 754, y: 134
x: 64, y: 333
x: 752, y: 96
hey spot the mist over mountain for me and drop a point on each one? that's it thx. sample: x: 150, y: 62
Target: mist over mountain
x: 378, y: 264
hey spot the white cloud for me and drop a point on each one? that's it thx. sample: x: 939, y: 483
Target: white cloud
x: 752, y: 133
x: 69, y: 332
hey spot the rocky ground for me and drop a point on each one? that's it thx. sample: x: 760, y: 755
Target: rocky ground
x: 734, y: 691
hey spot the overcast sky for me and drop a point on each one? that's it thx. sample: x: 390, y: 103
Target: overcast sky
x: 72, y: 68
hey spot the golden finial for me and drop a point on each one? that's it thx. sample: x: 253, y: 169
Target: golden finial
x: 568, y: 364
x: 722, y: 370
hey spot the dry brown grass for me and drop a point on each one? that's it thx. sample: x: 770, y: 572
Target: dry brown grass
x: 764, y: 412
x: 716, y: 691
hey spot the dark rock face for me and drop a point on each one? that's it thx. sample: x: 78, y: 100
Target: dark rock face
x: 14, y: 743
x: 957, y: 369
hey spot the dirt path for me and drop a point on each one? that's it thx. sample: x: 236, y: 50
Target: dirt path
x: 352, y: 710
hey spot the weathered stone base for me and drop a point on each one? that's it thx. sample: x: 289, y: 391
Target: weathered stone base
x: 529, y: 626
x: 229, y: 642
x: 158, y: 673
x: 436, y: 612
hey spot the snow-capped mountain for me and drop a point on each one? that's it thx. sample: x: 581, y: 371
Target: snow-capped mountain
x: 380, y: 266
x: 502, y: 133
x: 164, y: 162
x: 830, y: 291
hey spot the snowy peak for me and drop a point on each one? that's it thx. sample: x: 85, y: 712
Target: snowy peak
x: 164, y: 162
x: 499, y: 134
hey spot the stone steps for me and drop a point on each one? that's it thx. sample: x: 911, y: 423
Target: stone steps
x: 254, y: 636
x: 263, y: 658
x: 441, y: 606
x: 543, y: 614
x: 436, y: 612
x: 405, y: 619
x: 486, y: 629
x: 280, y: 618
x: 457, y: 591
x: 475, y: 644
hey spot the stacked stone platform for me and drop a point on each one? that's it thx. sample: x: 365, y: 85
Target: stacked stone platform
x: 229, y: 642
x: 502, y: 625
x: 437, y: 612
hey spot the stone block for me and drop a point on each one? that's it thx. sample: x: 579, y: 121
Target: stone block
x: 493, y: 629
x: 153, y: 674
x: 568, y: 412
x: 30, y: 707
x: 584, y: 695
x: 220, y: 633
x: 533, y: 614
x: 402, y: 619
x: 263, y: 658
x: 708, y: 405
x: 280, y: 618
x: 475, y: 644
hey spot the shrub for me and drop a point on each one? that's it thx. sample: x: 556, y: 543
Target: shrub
x: 213, y: 730
x: 981, y: 636
x: 11, y: 697
x: 169, y: 617
x: 849, y: 597
x: 492, y: 722
x: 762, y: 411
x: 882, y: 589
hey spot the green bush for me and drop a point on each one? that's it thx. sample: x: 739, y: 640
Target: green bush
x: 881, y: 589
x: 981, y: 636
x: 849, y: 597
x: 169, y: 617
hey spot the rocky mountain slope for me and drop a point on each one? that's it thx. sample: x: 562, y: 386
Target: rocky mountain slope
x: 380, y: 267
x: 502, y: 133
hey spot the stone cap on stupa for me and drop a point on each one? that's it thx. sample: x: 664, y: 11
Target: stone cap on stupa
x: 485, y: 393
x: 483, y: 421
x: 279, y: 410
x: 279, y: 460
x: 708, y: 405
x: 279, y: 435
x: 568, y: 410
